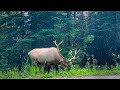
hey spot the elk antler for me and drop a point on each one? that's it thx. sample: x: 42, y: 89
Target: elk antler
x: 74, y: 57
x: 57, y: 45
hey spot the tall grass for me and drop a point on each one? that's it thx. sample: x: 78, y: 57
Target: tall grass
x: 37, y: 72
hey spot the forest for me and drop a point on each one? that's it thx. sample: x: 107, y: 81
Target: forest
x: 96, y: 34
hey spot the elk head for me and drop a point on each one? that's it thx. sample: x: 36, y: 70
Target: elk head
x: 65, y: 64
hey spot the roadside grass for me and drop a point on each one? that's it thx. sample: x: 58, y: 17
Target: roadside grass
x: 37, y: 72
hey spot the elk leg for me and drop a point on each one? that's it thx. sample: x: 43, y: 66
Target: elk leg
x: 39, y: 64
x: 47, y: 68
x: 56, y: 67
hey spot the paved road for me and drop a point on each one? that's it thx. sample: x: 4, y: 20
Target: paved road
x: 90, y: 77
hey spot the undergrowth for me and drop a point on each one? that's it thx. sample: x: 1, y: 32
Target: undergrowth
x: 28, y: 72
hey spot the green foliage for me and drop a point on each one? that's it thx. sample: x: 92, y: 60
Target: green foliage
x: 28, y: 72
x: 103, y: 26
x: 89, y: 39
x: 96, y: 33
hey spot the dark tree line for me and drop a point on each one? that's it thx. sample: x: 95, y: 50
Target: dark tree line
x: 94, y: 32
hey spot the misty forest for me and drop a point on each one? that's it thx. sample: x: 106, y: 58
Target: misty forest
x: 89, y: 40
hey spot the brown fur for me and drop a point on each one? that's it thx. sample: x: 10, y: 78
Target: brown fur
x: 48, y: 56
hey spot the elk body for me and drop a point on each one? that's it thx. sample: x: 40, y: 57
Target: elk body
x: 48, y: 57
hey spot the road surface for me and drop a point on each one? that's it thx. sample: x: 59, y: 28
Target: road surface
x: 89, y: 77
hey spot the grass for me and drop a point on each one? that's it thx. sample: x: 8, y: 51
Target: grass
x: 36, y: 72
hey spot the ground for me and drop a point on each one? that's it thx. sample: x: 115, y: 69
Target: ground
x: 94, y: 77
x: 86, y: 77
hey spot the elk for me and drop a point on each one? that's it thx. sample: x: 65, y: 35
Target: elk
x: 49, y: 56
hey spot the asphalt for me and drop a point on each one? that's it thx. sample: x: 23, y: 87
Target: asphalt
x: 89, y: 77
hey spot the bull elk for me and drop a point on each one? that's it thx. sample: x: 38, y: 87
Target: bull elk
x: 49, y: 56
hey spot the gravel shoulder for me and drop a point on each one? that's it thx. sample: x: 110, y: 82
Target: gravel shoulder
x: 84, y: 77
x: 88, y: 77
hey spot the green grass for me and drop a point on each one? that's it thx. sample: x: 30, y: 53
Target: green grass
x: 36, y: 72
